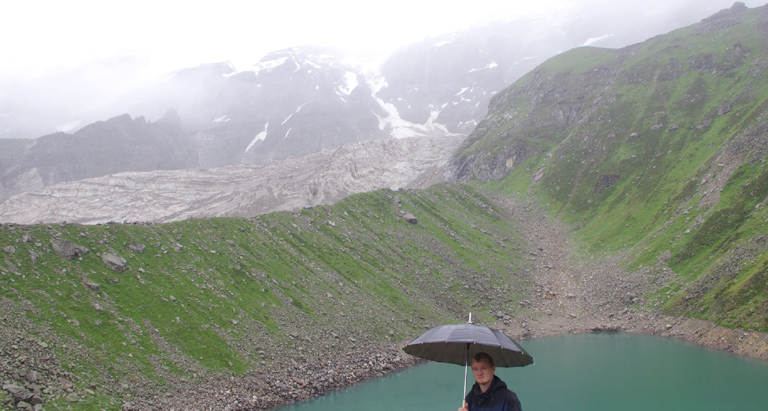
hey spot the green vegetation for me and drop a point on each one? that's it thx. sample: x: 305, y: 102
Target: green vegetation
x: 657, y: 151
x: 213, y: 295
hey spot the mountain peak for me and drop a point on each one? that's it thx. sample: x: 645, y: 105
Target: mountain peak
x: 170, y: 119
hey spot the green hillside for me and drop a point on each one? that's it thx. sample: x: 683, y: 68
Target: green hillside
x: 226, y: 295
x: 658, y: 151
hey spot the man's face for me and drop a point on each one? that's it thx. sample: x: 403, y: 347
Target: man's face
x: 482, y: 371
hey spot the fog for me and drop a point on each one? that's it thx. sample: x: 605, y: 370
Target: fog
x: 66, y: 64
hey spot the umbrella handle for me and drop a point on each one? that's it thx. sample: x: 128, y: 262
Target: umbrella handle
x: 466, y: 363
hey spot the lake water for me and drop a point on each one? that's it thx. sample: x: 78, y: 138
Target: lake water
x: 602, y: 371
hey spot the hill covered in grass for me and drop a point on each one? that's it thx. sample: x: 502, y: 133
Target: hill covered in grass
x: 101, y: 314
x: 656, y: 151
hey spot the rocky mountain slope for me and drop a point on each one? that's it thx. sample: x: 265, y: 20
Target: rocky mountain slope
x: 106, y: 147
x: 303, y: 100
x: 163, y: 196
x: 657, y: 150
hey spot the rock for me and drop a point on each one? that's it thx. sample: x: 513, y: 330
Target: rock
x: 33, y: 256
x: 410, y: 218
x: 668, y: 326
x: 23, y: 405
x: 65, y: 384
x: 87, y: 283
x: 9, y: 249
x: 32, y: 376
x: 66, y: 249
x: 139, y: 248
x: 116, y: 263
x: 18, y: 392
x: 72, y: 397
x: 36, y: 400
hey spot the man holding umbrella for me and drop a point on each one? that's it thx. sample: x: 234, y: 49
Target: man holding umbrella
x: 487, y: 348
x: 489, y: 393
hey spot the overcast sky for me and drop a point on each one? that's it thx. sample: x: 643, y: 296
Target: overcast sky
x: 168, y: 34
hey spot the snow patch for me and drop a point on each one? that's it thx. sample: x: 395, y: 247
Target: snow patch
x: 268, y: 65
x: 593, y: 40
x: 287, y: 132
x: 442, y: 43
x: 487, y: 66
x: 399, y: 127
x: 67, y: 127
x: 291, y: 115
x: 259, y: 137
x: 462, y: 91
x: 350, y: 83
x: 222, y: 119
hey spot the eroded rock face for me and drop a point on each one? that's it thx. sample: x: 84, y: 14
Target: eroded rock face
x: 164, y: 196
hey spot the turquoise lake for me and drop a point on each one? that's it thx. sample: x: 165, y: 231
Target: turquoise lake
x: 601, y: 371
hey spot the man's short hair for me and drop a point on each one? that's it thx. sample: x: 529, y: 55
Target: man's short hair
x: 483, y: 356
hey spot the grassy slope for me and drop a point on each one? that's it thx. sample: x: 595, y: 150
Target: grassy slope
x: 658, y: 149
x: 216, y: 294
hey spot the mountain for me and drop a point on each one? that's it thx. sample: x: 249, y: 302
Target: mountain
x: 291, y: 184
x: 607, y: 188
x: 105, y: 147
x: 293, y: 103
x: 303, y: 100
x: 656, y: 150
x: 450, y: 79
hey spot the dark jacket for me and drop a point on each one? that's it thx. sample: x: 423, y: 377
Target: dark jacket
x: 497, y: 398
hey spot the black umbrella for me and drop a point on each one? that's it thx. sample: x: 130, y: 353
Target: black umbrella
x: 456, y: 343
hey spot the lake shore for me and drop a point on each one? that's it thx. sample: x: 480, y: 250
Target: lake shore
x: 285, y: 384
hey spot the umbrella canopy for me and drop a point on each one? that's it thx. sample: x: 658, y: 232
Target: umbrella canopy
x: 456, y: 343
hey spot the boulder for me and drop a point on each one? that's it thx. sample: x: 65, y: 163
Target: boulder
x: 410, y: 218
x: 115, y: 262
x: 138, y: 248
x: 89, y: 284
x: 66, y: 249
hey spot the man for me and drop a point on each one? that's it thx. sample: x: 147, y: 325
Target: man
x: 489, y: 392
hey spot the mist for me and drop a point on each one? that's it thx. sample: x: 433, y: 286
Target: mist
x: 73, y: 65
